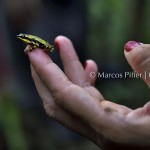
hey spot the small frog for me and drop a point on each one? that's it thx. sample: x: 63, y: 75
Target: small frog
x: 35, y: 42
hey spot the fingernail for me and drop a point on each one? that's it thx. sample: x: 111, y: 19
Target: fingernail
x: 131, y: 45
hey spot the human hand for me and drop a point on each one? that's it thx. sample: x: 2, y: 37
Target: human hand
x: 70, y: 98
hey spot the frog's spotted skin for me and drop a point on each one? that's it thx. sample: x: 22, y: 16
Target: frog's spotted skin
x: 35, y: 42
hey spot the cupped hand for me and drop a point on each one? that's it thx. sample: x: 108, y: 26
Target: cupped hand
x: 70, y: 98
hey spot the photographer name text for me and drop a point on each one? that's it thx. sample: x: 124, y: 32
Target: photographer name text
x: 128, y: 75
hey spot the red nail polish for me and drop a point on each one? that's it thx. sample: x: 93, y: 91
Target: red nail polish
x: 131, y: 45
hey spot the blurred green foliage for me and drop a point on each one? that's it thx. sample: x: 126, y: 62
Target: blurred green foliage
x: 10, y: 122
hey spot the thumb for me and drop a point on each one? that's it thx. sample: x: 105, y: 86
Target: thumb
x: 138, y: 56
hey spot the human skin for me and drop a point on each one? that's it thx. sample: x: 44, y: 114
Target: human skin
x: 71, y: 99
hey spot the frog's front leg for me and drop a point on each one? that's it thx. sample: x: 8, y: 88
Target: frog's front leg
x: 29, y: 48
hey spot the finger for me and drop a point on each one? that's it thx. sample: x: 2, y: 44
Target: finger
x: 138, y: 56
x: 42, y: 90
x: 56, y: 112
x: 72, y: 66
x: 48, y: 71
x: 91, y: 70
x: 74, y: 69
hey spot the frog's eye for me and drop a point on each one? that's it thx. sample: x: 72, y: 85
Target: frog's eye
x: 21, y: 35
